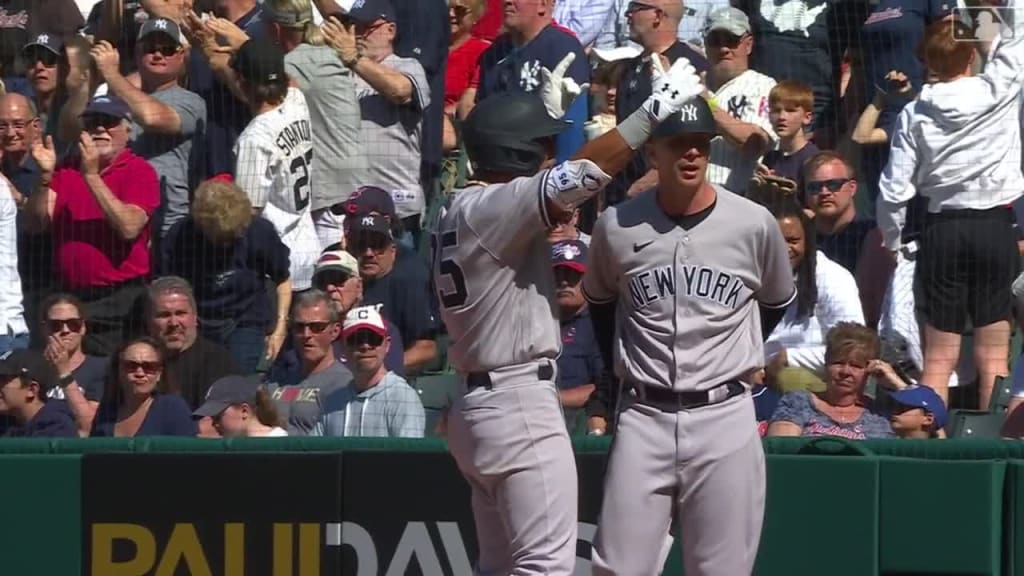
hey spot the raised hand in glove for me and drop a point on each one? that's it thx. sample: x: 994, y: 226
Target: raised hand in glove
x: 559, y: 91
x: 671, y: 89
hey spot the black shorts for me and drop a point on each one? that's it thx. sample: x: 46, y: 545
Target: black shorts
x: 966, y: 266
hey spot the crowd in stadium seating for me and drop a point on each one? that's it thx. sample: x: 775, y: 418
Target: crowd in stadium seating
x: 215, y: 214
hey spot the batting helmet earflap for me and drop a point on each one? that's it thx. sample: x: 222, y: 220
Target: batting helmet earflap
x: 502, y: 134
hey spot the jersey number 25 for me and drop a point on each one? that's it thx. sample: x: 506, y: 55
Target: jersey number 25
x: 448, y: 267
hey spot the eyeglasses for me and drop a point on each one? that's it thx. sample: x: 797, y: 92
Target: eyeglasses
x: 94, y: 121
x: 634, y: 7
x: 131, y: 366
x: 330, y: 278
x: 166, y: 50
x: 832, y: 184
x: 361, y: 337
x: 16, y: 126
x: 49, y: 59
x: 367, y: 29
x: 314, y: 327
x: 57, y: 325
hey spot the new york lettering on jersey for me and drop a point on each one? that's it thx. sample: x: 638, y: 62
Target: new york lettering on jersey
x: 702, y: 282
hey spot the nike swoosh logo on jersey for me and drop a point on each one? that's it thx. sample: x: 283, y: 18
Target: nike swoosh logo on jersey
x: 640, y: 246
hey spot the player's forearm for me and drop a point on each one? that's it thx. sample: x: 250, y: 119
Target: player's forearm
x: 391, y: 84
x: 150, y: 113
x: 610, y: 152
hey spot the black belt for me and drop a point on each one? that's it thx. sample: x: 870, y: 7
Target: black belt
x: 483, y: 379
x: 671, y: 401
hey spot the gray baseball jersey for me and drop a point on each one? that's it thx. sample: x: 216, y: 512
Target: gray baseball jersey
x: 492, y: 268
x: 687, y: 299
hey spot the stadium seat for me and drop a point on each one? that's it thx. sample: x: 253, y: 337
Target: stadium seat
x: 982, y: 423
x: 437, y: 391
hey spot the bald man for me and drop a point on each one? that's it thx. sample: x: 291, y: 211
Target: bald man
x: 20, y: 126
x: 654, y: 25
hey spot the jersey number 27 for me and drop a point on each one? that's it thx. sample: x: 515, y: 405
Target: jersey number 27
x: 448, y: 267
x: 301, y: 188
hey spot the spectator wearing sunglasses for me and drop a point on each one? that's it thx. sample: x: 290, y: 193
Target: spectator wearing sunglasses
x: 139, y: 400
x: 41, y: 55
x: 98, y: 204
x: 167, y: 117
x: 25, y: 19
x: 26, y: 377
x: 299, y: 391
x: 400, y: 286
x: 379, y: 403
x: 227, y: 253
x: 81, y: 377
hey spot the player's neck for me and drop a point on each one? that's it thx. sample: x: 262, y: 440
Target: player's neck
x: 527, y: 33
x: 679, y: 202
x: 830, y: 227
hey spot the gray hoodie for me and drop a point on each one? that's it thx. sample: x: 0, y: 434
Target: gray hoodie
x: 391, y: 409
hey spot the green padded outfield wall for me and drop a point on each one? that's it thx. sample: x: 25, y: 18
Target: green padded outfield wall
x: 304, y: 507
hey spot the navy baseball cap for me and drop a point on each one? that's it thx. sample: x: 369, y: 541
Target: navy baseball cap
x: 571, y: 254
x: 50, y: 42
x: 30, y: 364
x: 695, y: 117
x: 164, y: 26
x: 923, y: 397
x: 228, y: 391
x: 108, y: 105
x: 259, y: 61
x: 368, y: 224
x: 367, y: 200
x: 369, y: 11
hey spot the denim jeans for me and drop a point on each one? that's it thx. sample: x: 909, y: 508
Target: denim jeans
x: 10, y: 342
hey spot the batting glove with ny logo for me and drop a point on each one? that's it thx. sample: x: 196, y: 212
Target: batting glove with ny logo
x: 670, y: 91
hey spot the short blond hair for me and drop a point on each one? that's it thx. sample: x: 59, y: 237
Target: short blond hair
x: 221, y: 210
x: 848, y: 338
x: 310, y: 31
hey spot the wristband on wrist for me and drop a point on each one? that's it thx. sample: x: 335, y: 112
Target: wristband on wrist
x: 65, y: 380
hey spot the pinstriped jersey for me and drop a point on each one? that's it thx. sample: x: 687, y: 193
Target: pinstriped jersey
x: 687, y: 313
x: 745, y: 98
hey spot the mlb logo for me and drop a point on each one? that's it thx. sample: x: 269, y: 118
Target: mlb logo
x: 982, y: 24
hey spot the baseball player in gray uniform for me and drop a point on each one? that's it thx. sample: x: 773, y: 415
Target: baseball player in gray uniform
x: 492, y: 273
x: 695, y: 277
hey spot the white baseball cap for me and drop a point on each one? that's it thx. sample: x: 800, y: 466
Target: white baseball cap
x: 617, y: 53
x: 363, y: 318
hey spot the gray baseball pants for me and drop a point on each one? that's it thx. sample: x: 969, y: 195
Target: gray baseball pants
x: 510, y: 443
x: 706, y: 465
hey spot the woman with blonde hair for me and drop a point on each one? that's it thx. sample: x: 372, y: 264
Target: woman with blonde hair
x: 227, y: 254
x: 241, y: 406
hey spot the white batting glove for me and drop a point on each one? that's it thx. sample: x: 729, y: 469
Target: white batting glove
x: 671, y: 89
x: 559, y: 91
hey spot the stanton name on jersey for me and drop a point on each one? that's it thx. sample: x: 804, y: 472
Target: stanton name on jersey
x: 294, y: 134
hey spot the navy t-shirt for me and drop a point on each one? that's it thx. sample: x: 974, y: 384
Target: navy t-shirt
x: 226, y: 116
x: 228, y: 280
x: 844, y: 247
x: 790, y: 165
x: 404, y: 296
x: 505, y: 67
x: 91, y: 377
x: 54, y: 420
x: 580, y: 361
x: 168, y: 415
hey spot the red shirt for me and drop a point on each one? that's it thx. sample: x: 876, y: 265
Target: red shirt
x: 463, y: 69
x: 87, y: 251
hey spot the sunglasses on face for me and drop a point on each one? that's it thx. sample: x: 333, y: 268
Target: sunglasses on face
x: 724, y: 39
x: 634, y: 7
x: 832, y: 184
x: 73, y: 325
x: 314, y: 327
x: 362, y: 337
x: 567, y: 275
x: 367, y: 29
x: 375, y: 242
x: 49, y: 59
x: 94, y: 121
x: 330, y: 278
x: 166, y: 50
x: 149, y: 367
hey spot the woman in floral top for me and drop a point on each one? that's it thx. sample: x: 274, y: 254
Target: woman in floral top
x: 842, y: 409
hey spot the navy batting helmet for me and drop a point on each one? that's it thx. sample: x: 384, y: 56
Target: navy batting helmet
x: 503, y: 134
x: 694, y: 117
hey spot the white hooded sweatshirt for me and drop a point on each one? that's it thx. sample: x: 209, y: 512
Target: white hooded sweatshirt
x: 959, y: 143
